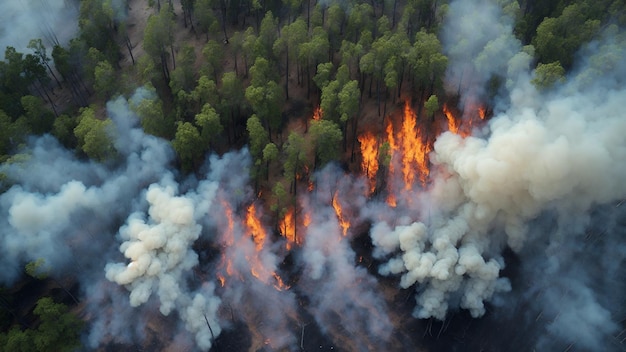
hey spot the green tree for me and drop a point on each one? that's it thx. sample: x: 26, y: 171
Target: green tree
x: 295, y: 161
x: 427, y: 62
x: 270, y: 153
x: 349, y: 108
x: 326, y: 139
x: 558, y: 38
x: 38, y: 118
x: 213, y: 53
x: 57, y: 330
x: 264, y: 95
x: 258, y: 139
x: 93, y: 135
x: 431, y: 105
x: 547, y: 75
x: 287, y: 45
x: 151, y: 115
x: 188, y: 145
x: 40, y: 50
x: 158, y: 39
x: 209, y: 122
x: 105, y: 80
x: 206, y: 17
x: 63, y: 130
x: 183, y: 76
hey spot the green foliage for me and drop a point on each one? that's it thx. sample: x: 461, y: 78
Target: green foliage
x: 153, y: 120
x: 330, y: 100
x: 38, y: 118
x: 58, y: 330
x: 558, y: 38
x: 183, y: 76
x: 280, y: 198
x: 427, y: 60
x: 547, y: 75
x: 213, y: 53
x: 37, y: 269
x: 270, y: 152
x: 323, y: 75
x: 295, y: 151
x: 63, y: 130
x: 349, y: 97
x: 258, y: 136
x: 209, y: 122
x: 327, y: 140
x: 105, y: 81
x: 159, y: 36
x: 93, y: 135
x: 188, y: 144
x: 264, y: 95
x: 431, y: 105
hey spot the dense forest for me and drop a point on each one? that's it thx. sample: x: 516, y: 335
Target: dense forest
x: 381, y: 172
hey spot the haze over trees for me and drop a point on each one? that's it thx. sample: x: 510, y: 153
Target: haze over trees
x: 219, y: 75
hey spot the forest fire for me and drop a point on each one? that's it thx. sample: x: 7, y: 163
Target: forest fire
x: 251, y: 230
x: 410, y: 148
x: 317, y: 113
x: 343, y: 222
x: 369, y: 162
x: 256, y: 227
x: 463, y: 126
x: 453, y: 123
x: 287, y: 228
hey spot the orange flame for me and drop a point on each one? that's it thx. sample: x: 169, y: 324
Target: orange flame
x: 253, y: 230
x: 391, y: 200
x: 317, y: 113
x: 256, y: 228
x: 453, y: 124
x: 415, y: 151
x: 287, y: 228
x: 307, y: 220
x: 369, y: 153
x: 344, y: 223
x: 482, y: 112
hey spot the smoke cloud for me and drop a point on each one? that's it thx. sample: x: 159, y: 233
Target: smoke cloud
x: 344, y: 298
x: 51, y: 20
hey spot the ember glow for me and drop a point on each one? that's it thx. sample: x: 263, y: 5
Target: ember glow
x: 318, y: 113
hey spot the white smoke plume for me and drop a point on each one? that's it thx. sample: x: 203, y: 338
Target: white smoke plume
x: 345, y: 299
x: 50, y: 20
x: 557, y: 155
x: 160, y: 254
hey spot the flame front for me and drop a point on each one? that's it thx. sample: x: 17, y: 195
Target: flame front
x: 369, y: 153
x: 287, y: 228
x: 343, y: 222
x: 256, y: 228
x: 414, y: 150
x: 453, y: 124
x: 251, y: 244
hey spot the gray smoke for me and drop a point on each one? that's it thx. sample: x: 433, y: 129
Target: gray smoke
x: 50, y: 20
x: 252, y: 288
x: 345, y: 299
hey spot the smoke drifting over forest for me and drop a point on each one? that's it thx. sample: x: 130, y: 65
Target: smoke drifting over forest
x: 538, y: 187
x: 54, y: 21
